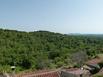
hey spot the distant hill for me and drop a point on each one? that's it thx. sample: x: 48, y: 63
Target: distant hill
x: 44, y: 49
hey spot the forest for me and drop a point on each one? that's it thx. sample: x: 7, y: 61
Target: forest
x: 46, y: 50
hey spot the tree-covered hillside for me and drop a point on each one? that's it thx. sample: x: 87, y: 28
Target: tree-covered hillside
x: 43, y: 49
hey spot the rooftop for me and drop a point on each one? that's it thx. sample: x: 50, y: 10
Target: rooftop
x: 76, y: 71
x: 94, y: 61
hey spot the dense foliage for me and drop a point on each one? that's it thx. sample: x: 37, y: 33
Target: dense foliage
x: 43, y: 49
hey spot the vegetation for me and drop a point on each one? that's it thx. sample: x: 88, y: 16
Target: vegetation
x: 98, y: 75
x: 43, y: 49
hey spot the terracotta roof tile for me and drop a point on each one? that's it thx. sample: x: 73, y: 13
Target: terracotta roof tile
x: 94, y: 61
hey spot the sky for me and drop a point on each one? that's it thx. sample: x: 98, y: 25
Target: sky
x: 62, y: 16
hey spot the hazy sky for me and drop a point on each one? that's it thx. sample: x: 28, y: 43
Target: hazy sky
x: 64, y: 16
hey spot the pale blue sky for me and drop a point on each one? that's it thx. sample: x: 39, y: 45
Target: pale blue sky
x: 63, y: 16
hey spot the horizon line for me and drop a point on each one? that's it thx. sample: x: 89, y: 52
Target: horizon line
x: 72, y: 33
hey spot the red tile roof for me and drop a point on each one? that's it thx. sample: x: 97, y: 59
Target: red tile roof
x: 94, y: 61
x: 40, y: 74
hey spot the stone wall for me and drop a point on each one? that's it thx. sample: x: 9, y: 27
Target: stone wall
x: 67, y: 74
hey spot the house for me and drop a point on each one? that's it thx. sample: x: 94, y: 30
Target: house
x: 94, y: 65
x: 94, y: 61
x: 75, y: 72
